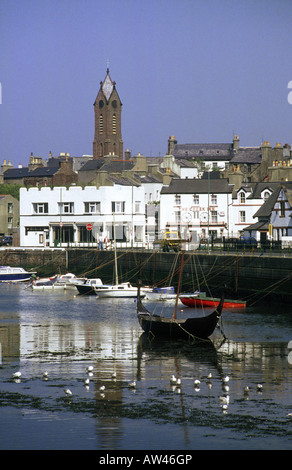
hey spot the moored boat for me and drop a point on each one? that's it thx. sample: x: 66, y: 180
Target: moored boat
x: 174, y: 328
x: 125, y: 289
x: 88, y: 287
x: 14, y: 274
x: 201, y: 301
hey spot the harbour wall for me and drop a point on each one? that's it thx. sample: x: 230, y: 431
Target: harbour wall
x: 252, y: 277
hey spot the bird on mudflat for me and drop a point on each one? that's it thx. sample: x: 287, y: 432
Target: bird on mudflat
x: 68, y: 392
x: 132, y: 384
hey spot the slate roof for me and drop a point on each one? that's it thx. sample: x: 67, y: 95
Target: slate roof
x: 197, y: 186
x: 14, y: 173
x: 92, y: 165
x: 219, y: 152
x: 247, y: 155
x: 117, y: 166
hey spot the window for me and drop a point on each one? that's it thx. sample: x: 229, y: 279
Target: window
x: 10, y: 221
x: 266, y: 195
x: 118, y: 206
x: 242, y: 217
x: 282, y: 208
x: 177, y: 199
x: 114, y: 124
x: 213, y: 198
x: 10, y: 208
x: 242, y: 198
x: 92, y: 207
x: 214, y: 217
x: 40, y: 207
x: 196, y: 199
x: 177, y: 216
x: 137, y: 207
x: 101, y: 124
x: 66, y: 207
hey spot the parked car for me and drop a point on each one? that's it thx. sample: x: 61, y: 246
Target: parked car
x: 251, y: 241
x: 7, y: 240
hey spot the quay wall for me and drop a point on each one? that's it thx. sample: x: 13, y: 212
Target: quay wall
x: 252, y: 277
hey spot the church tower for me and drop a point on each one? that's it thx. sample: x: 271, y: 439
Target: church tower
x: 107, y: 129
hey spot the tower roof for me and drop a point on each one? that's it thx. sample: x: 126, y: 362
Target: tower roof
x: 107, y: 85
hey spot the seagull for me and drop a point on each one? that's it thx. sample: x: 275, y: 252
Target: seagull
x: 16, y: 375
x: 89, y: 369
x: 178, y: 382
x: 173, y: 379
x: 246, y: 389
x: 224, y: 399
x: 114, y: 375
x: 101, y: 388
x: 132, y: 384
x: 68, y: 392
x: 259, y: 387
x: 209, y: 376
x: 45, y: 374
x: 226, y: 379
x: 197, y: 382
x: 86, y: 382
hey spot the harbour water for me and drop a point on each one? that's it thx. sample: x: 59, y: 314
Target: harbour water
x: 64, y: 333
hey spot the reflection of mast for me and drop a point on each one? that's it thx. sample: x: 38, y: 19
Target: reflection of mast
x: 115, y: 251
x: 179, y: 284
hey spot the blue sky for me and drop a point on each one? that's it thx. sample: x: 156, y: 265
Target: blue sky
x: 201, y: 70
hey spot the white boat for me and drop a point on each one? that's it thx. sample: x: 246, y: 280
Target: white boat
x: 11, y: 274
x: 88, y: 287
x: 69, y: 280
x: 125, y: 289
x: 65, y: 281
x: 161, y: 294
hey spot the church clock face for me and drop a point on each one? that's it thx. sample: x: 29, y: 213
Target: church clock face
x: 204, y: 216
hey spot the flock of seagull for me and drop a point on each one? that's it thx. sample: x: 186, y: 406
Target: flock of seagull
x: 175, y: 382
x: 132, y: 385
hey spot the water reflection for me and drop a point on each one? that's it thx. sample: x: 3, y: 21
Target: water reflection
x: 63, y: 334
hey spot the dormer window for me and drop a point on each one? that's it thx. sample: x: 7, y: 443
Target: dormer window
x: 242, y: 198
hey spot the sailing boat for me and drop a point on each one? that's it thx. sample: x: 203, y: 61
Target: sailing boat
x: 124, y: 289
x: 174, y: 328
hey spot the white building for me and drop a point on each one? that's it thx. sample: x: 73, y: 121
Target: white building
x: 197, y: 208
x: 80, y: 217
x: 248, y: 199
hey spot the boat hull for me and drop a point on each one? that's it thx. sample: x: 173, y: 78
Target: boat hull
x: 10, y: 274
x: 201, y: 328
x: 197, y: 301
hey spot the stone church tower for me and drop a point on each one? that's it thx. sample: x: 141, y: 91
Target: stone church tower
x: 107, y: 130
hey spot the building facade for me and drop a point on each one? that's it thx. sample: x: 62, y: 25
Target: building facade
x: 81, y: 217
x: 196, y: 208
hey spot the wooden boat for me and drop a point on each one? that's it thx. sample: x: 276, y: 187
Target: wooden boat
x: 173, y: 328
x: 201, y: 300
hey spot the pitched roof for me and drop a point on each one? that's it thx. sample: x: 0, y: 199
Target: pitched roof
x: 197, y: 186
x: 206, y: 151
x: 14, y: 173
x: 247, y: 155
x: 117, y: 166
x: 92, y: 165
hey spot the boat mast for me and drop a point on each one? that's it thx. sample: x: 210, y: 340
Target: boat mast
x: 116, y: 262
x: 179, y: 285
